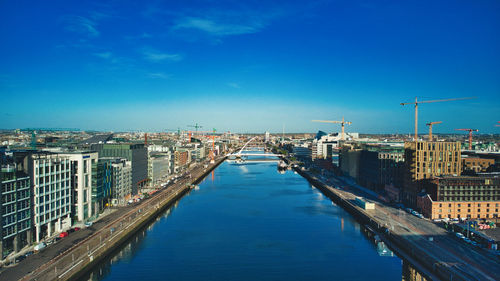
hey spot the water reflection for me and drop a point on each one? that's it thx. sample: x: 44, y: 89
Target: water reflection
x: 267, y: 227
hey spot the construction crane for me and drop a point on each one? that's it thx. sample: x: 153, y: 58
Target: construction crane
x: 196, y: 126
x: 470, y: 135
x: 336, y: 122
x: 212, y: 161
x: 430, y: 128
x: 416, y: 102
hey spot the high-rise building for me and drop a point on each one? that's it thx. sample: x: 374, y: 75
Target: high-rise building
x: 51, y: 176
x: 15, y: 208
x: 425, y: 160
x: 267, y: 137
x: 137, y: 154
x: 83, y: 185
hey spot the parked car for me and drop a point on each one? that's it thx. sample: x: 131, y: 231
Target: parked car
x: 76, y: 228
x: 40, y: 246
x: 63, y: 234
x: 29, y: 253
x: 88, y: 224
x: 460, y: 235
x: 19, y: 258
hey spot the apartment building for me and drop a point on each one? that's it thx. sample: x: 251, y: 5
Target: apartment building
x: 425, y: 160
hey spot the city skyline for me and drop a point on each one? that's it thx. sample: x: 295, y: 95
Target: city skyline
x: 248, y: 66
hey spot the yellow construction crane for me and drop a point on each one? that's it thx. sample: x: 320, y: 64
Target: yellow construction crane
x: 430, y: 128
x: 416, y: 102
x: 336, y: 122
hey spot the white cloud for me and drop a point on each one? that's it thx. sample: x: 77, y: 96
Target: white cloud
x: 104, y: 55
x: 159, y: 75
x: 156, y: 56
x: 81, y: 25
x: 217, y: 28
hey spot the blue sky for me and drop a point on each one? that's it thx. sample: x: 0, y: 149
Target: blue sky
x: 249, y: 66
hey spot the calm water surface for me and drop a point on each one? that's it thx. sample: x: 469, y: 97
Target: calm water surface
x: 249, y: 222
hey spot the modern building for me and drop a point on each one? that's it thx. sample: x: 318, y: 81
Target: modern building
x: 267, y: 137
x: 15, y: 208
x: 425, y: 160
x: 122, y: 181
x: 51, y: 177
x: 461, y: 197
x: 83, y: 183
x: 136, y: 153
x: 102, y: 184
x: 160, y: 167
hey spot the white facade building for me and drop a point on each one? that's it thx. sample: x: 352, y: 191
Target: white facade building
x: 82, y: 183
x: 52, y: 193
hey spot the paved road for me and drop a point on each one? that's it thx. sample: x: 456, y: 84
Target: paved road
x: 462, y: 257
x: 35, y: 261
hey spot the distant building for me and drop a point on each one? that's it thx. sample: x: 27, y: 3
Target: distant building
x: 136, y: 153
x: 160, y: 167
x: 476, y: 164
x: 15, y: 208
x: 267, y: 137
x: 51, y: 176
x: 181, y: 159
x: 425, y: 160
x: 376, y: 166
x: 461, y: 197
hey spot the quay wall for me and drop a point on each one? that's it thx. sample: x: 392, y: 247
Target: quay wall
x: 75, y: 262
x: 422, y: 261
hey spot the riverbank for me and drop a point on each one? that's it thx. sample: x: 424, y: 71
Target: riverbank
x: 428, y: 247
x: 80, y: 258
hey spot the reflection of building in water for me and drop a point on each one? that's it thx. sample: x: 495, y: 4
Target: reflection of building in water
x: 411, y: 274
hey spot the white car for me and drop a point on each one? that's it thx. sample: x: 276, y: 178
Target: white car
x: 40, y: 246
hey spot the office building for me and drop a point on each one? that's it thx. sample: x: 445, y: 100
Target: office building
x: 83, y: 184
x: 51, y: 176
x: 137, y: 154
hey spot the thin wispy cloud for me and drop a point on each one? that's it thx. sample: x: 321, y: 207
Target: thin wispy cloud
x: 104, y: 55
x: 156, y: 56
x: 234, y: 85
x: 217, y: 28
x: 159, y: 75
x: 81, y: 25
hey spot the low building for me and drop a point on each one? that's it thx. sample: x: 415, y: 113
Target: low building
x: 461, y: 197
x: 476, y: 164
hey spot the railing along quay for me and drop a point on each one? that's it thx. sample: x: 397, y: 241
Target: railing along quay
x: 81, y: 257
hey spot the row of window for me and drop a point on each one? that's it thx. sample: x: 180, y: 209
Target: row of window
x: 52, y: 215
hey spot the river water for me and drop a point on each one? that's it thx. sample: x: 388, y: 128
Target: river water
x: 250, y: 222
